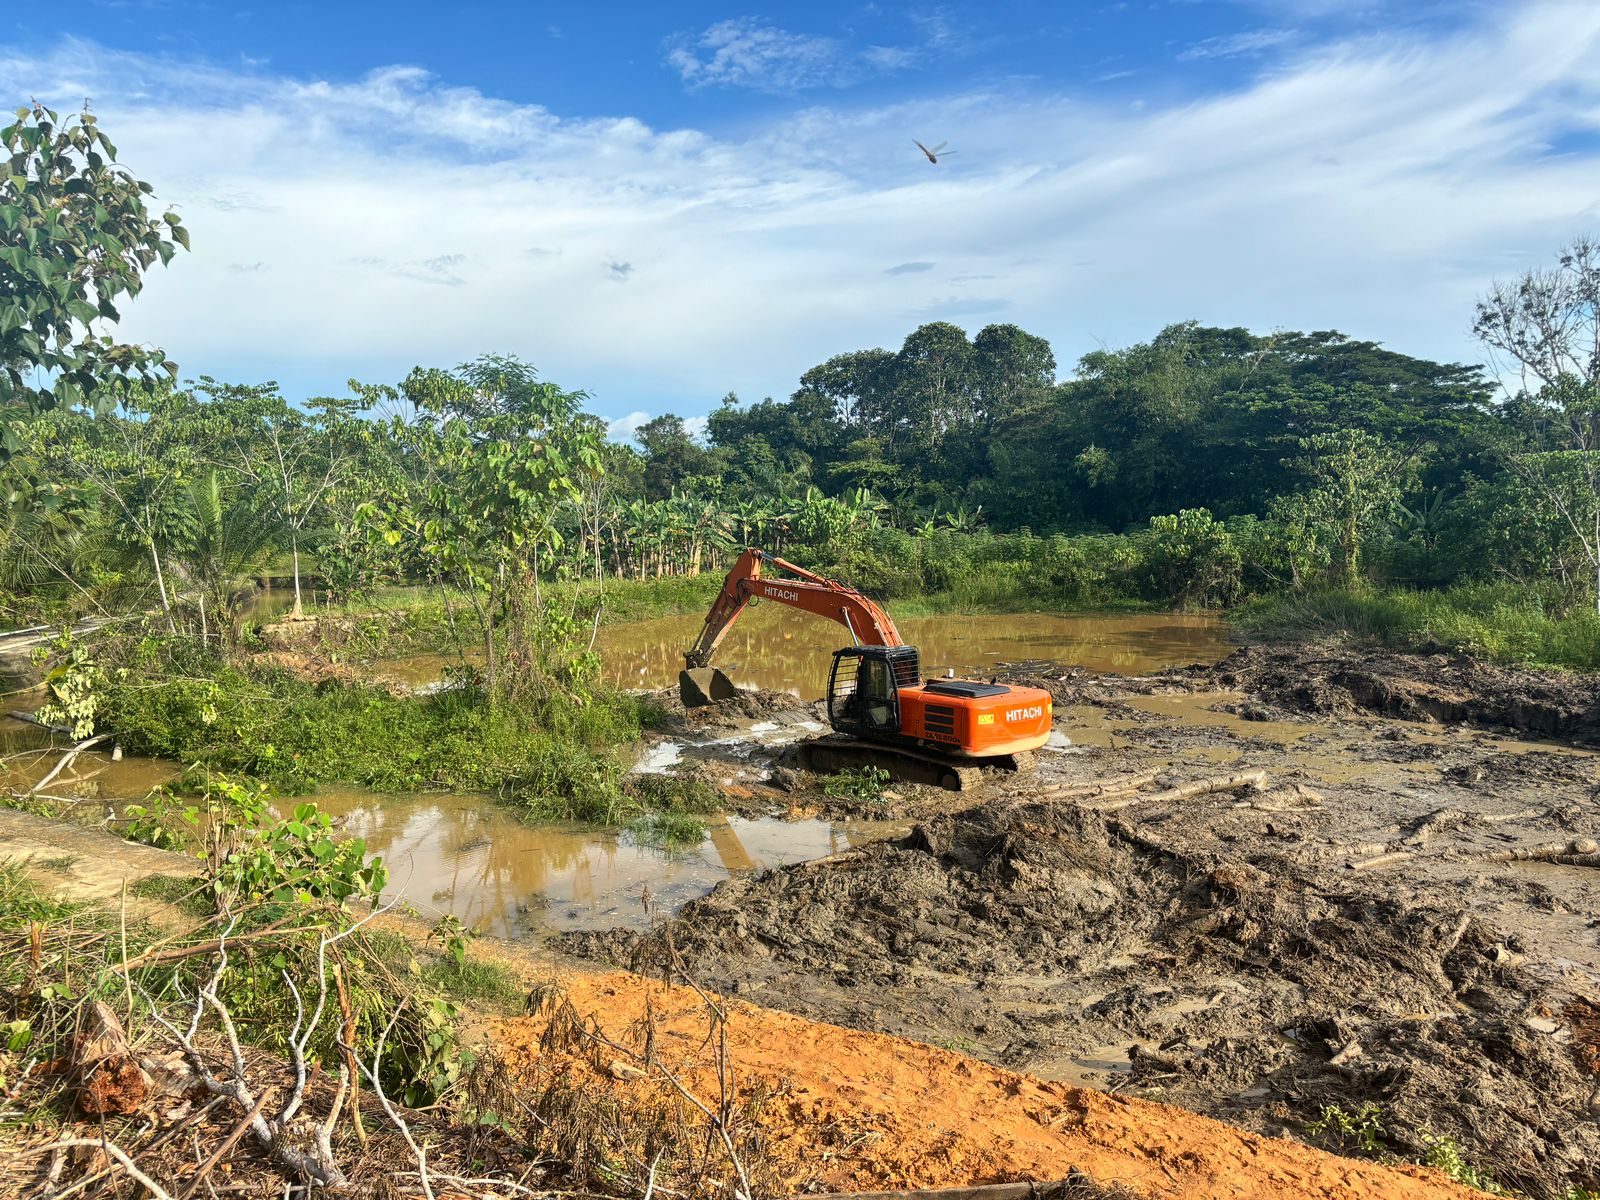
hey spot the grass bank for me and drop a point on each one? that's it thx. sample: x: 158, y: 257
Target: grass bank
x: 563, y: 757
x: 1503, y: 623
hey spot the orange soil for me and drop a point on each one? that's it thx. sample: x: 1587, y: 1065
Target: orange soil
x: 853, y: 1111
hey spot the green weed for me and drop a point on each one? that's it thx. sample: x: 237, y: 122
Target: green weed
x: 670, y: 831
x: 482, y: 984
x: 1361, y: 1130
x: 1445, y: 1154
x: 857, y: 783
x: 296, y: 735
x: 673, y: 793
x: 22, y: 900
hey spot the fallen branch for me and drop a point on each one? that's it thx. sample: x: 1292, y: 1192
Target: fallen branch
x: 384, y: 1102
x: 1383, y: 860
x: 1439, y: 821
x: 1556, y: 852
x: 1255, y: 780
x: 1105, y: 787
x: 1445, y: 819
x: 156, y: 1191
x: 228, y: 1143
x: 274, y: 931
x: 66, y: 760
x: 271, y: 1134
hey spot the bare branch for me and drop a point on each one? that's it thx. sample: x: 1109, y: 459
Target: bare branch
x: 156, y: 1191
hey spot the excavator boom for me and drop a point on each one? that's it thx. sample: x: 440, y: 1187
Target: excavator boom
x: 868, y: 624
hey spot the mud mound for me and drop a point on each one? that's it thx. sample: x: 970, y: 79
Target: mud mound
x: 1043, y: 937
x: 1448, y: 689
x: 750, y: 704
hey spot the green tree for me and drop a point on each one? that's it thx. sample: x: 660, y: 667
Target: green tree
x: 136, y: 464
x: 1356, y: 481
x: 78, y: 236
x: 1195, y: 558
x: 496, y: 454
x: 1010, y: 366
x: 672, y: 456
x: 296, y: 460
x: 1547, y: 322
x: 230, y: 534
x: 934, y: 377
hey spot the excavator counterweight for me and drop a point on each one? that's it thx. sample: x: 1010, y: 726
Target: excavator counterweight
x: 883, y: 713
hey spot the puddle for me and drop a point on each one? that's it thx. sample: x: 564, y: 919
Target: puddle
x: 782, y: 650
x: 467, y: 856
x: 659, y: 758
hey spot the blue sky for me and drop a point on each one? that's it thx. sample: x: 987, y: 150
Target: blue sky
x: 664, y: 202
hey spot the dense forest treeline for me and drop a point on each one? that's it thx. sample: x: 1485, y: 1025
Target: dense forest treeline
x: 1201, y: 467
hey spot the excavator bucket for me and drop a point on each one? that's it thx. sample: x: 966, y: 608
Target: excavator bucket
x: 700, y: 686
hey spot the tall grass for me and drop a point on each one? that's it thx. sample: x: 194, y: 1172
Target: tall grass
x: 1507, y: 623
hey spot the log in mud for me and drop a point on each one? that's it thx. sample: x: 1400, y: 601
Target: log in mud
x: 1210, y: 946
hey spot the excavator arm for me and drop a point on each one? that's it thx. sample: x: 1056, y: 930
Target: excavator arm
x: 868, y: 624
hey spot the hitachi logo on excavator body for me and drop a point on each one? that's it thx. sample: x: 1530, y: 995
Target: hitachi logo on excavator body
x: 778, y: 593
x: 1025, y: 714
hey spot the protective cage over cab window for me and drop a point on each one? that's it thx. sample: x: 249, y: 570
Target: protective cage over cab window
x: 863, y: 687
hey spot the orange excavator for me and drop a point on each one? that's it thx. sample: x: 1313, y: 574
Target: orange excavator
x: 884, y: 714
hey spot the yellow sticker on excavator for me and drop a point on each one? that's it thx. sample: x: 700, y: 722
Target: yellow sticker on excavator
x: 985, y: 718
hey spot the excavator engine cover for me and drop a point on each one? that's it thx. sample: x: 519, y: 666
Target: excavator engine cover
x: 700, y: 686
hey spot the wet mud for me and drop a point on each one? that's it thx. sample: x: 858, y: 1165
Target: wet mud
x: 1402, y: 916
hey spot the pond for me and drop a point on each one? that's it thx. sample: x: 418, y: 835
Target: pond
x: 782, y: 650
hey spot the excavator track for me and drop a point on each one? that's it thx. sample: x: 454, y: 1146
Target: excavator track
x: 838, y: 752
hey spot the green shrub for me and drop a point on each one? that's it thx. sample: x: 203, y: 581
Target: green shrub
x: 669, y: 831
x: 1446, y: 1155
x: 296, y: 735
x: 1361, y: 1130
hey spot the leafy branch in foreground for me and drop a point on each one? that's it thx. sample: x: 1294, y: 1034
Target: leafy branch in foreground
x: 78, y: 237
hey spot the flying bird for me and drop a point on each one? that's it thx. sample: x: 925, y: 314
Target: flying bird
x: 936, y: 153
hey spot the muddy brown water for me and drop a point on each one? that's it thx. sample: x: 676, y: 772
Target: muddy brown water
x: 474, y: 858
x: 778, y: 649
x: 500, y: 876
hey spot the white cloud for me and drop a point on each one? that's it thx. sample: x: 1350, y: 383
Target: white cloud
x: 623, y: 428
x: 1369, y: 186
x: 1238, y: 45
x: 749, y: 52
x: 752, y: 52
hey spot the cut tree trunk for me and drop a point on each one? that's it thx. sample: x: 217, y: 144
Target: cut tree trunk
x: 110, y: 1080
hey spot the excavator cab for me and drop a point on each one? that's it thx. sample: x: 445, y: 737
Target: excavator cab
x: 864, y: 688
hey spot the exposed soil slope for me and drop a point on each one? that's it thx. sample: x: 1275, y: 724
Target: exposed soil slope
x: 1452, y: 689
x: 847, y: 1110
x: 1043, y: 933
x: 1340, y: 680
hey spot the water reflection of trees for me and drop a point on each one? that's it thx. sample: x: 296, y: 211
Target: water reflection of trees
x: 460, y: 854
